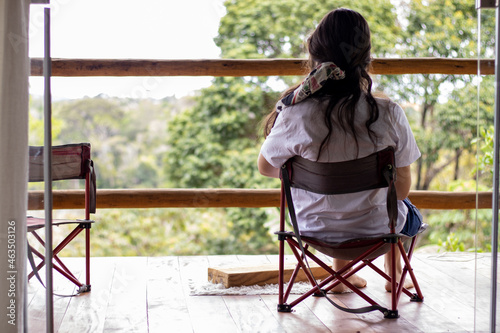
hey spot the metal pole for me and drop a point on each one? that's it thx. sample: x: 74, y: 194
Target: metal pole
x: 47, y: 176
x: 496, y: 184
x: 496, y: 180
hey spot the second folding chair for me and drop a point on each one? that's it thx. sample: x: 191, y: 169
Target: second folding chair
x: 71, y: 161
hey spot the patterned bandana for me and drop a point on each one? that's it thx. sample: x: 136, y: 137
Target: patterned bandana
x: 312, y: 83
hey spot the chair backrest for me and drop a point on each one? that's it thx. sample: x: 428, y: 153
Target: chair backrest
x: 71, y: 161
x: 68, y: 162
x: 377, y: 170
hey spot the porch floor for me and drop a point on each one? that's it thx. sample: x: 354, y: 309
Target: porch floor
x: 154, y: 294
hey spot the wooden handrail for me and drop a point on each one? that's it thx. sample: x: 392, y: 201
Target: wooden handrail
x: 245, y: 198
x: 248, y: 67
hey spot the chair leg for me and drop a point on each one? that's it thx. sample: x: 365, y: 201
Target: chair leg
x: 394, y: 299
x: 418, y: 296
x: 60, y: 267
x: 87, y: 258
x: 282, y: 306
x: 40, y: 265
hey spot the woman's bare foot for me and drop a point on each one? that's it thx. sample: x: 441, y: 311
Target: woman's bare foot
x: 357, y: 281
x: 399, y: 270
x: 408, y: 284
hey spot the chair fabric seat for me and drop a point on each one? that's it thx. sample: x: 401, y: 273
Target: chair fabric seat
x: 353, y: 248
x: 35, y: 223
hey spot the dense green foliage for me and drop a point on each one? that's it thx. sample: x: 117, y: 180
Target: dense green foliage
x: 277, y: 29
x: 446, y: 29
x: 212, y: 140
x: 215, y: 145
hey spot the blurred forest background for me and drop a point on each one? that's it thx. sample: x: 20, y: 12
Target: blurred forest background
x: 212, y: 139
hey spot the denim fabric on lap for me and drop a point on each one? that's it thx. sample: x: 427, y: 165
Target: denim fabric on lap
x: 413, y: 219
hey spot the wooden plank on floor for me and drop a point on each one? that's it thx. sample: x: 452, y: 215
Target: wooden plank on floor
x: 127, y: 299
x: 249, y: 270
x: 258, y: 275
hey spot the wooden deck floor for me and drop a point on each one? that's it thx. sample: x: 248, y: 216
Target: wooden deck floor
x: 153, y: 294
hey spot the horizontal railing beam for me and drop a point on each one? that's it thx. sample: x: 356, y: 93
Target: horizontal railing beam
x: 216, y: 198
x: 248, y: 67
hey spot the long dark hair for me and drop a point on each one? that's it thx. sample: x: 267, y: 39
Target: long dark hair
x: 342, y: 37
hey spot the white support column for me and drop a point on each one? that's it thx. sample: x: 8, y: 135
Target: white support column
x: 485, y: 4
x: 14, y: 103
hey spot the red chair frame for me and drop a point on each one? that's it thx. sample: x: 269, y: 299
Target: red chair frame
x: 374, y: 171
x: 71, y: 161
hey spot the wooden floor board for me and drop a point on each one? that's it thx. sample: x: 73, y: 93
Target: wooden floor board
x: 62, y: 286
x: 336, y: 321
x: 153, y: 294
x: 207, y: 313
x: 251, y: 314
x: 454, y: 296
x: 127, y: 311
x: 166, y: 302
x: 210, y: 314
x: 302, y: 316
x: 415, y: 312
x: 87, y: 312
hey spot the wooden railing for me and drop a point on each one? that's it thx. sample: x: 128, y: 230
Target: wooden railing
x: 168, y: 198
x: 245, y: 198
x: 238, y: 67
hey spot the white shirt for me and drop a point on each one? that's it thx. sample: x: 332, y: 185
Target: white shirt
x: 300, y: 129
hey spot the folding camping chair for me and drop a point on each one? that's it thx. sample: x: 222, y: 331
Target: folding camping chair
x: 71, y: 161
x: 375, y: 171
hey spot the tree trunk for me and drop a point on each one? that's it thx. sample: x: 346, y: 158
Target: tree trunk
x: 458, y: 153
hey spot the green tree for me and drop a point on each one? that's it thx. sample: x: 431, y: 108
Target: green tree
x: 257, y: 29
x: 215, y: 145
x: 277, y: 29
x: 446, y: 29
x: 205, y: 141
x: 127, y: 137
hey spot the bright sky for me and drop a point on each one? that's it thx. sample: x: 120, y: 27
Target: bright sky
x: 126, y: 29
